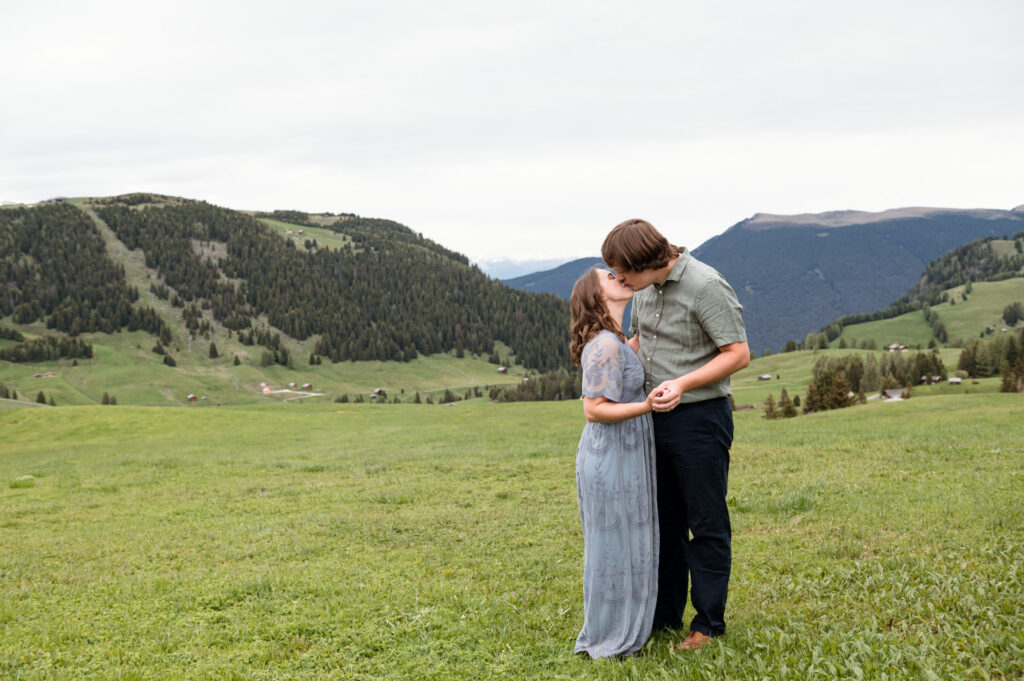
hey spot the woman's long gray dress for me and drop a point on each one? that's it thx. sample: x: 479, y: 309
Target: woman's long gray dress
x: 616, y: 489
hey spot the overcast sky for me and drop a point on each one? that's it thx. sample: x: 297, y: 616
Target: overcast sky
x: 518, y: 130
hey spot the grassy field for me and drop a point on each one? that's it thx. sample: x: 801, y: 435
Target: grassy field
x: 964, y: 319
x: 126, y: 367
x: 325, y: 238
x: 792, y: 371
x: 983, y: 308
x: 432, y: 542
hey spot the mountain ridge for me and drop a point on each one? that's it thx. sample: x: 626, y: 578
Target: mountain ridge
x: 386, y: 294
x: 795, y: 274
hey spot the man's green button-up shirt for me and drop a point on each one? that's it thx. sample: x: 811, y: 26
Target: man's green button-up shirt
x: 683, y: 322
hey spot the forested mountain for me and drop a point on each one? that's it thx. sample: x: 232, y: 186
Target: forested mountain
x: 558, y: 280
x: 389, y: 294
x: 53, y: 266
x: 985, y: 259
x: 794, y: 274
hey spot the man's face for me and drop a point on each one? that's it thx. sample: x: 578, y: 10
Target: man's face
x: 637, y: 280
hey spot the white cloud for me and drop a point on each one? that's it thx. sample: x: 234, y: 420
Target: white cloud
x: 524, y: 130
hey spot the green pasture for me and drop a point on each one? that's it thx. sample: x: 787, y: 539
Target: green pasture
x: 910, y: 329
x: 325, y: 238
x: 793, y: 371
x: 126, y: 367
x: 964, y: 319
x: 983, y: 308
x: 434, y: 542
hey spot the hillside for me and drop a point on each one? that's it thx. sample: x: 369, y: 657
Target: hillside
x: 945, y: 281
x: 794, y: 274
x: 965, y: 316
x: 558, y: 280
x: 148, y: 280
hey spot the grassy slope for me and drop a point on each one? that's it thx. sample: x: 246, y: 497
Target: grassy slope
x: 410, y: 542
x: 983, y: 308
x: 126, y: 368
x: 792, y: 371
x: 964, y: 319
x: 324, y: 237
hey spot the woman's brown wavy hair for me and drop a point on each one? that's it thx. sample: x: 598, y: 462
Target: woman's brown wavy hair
x: 589, y: 314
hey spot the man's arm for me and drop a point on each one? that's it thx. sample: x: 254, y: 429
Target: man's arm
x: 730, y: 359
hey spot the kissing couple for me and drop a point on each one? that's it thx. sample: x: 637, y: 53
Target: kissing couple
x: 652, y: 464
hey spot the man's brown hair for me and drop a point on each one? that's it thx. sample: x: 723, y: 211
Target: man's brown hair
x: 635, y: 245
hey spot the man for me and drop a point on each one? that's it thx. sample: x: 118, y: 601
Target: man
x: 687, y: 329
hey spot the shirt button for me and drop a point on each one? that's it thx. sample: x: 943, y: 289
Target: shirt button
x: 655, y: 336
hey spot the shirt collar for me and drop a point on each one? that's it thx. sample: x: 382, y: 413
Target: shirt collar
x: 677, y: 270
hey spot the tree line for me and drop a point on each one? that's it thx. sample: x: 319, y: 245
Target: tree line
x: 393, y: 298
x: 54, y: 267
x: 972, y: 262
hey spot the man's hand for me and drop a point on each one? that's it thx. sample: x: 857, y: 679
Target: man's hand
x: 666, y: 396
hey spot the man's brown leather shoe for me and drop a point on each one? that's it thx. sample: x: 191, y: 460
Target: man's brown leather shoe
x: 694, y: 641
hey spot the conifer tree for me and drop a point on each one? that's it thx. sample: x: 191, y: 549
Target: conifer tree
x: 41, y: 398
x: 787, y: 407
x: 213, y: 350
x: 769, y: 408
x: 840, y: 393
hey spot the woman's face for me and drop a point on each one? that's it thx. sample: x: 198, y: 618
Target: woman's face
x: 612, y: 288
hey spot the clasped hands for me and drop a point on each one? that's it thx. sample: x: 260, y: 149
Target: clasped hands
x: 666, y: 396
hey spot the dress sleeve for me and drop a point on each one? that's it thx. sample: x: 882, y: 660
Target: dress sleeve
x: 602, y: 367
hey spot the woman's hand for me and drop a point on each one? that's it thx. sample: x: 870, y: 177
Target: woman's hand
x: 649, y: 401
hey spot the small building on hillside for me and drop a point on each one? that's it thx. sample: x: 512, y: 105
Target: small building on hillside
x: 955, y: 380
x: 893, y: 394
x: 502, y: 370
x: 897, y: 347
x: 192, y: 398
x: 764, y: 377
x: 307, y: 386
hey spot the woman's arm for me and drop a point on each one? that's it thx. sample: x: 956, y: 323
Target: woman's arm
x: 603, y: 410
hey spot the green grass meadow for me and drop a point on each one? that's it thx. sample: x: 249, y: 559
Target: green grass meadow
x: 964, y: 319
x: 126, y: 367
x: 328, y: 541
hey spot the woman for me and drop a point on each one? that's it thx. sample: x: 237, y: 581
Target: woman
x: 615, y: 480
